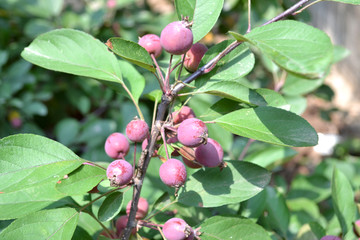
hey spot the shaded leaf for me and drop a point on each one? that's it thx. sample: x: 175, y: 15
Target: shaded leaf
x: 343, y: 200
x: 111, y: 206
x: 211, y: 187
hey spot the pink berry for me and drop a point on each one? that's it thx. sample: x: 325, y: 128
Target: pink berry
x: 173, y: 173
x: 194, y: 56
x: 144, y: 145
x: 151, y: 43
x: 177, y: 229
x: 143, y: 207
x: 117, y: 146
x: 192, y: 132
x: 137, y: 130
x: 177, y: 38
x: 184, y: 113
x: 330, y: 237
x: 119, y: 172
x: 120, y: 225
x: 210, y: 154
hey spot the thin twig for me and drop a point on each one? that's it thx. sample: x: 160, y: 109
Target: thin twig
x: 246, y: 148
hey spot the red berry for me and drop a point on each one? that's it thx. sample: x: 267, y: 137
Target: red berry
x: 194, y: 56
x: 137, y: 130
x: 117, y: 146
x: 210, y: 154
x: 177, y: 229
x: 192, y: 132
x: 151, y: 43
x: 120, y: 225
x: 173, y: 173
x: 176, y: 38
x: 144, y: 145
x: 119, y: 172
x: 330, y: 237
x: 184, y: 113
x: 143, y: 207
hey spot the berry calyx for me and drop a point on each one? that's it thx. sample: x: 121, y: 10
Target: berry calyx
x: 143, y: 208
x: 117, y: 146
x: 173, y: 173
x: 177, y: 229
x: 192, y: 132
x: 177, y: 38
x: 210, y: 154
x: 194, y: 56
x: 137, y: 130
x: 119, y: 172
x: 184, y: 113
x: 151, y: 43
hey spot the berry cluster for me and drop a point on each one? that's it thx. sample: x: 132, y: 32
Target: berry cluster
x: 186, y: 133
x: 177, y: 39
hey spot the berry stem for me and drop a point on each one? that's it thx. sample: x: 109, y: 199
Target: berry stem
x: 133, y: 100
x: 182, y: 65
x: 134, y: 161
x: 249, y: 16
x: 167, y: 77
x: 309, y: 5
x: 246, y: 148
x: 159, y: 76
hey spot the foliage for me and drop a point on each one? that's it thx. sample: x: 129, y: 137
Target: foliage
x: 251, y: 100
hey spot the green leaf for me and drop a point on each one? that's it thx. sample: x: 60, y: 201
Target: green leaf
x: 299, y: 86
x: 82, y: 180
x: 74, y: 52
x: 233, y: 66
x: 343, y: 201
x: 270, y: 155
x: 294, y: 46
x: 54, y: 224
x: 111, y: 206
x: 220, y: 227
x: 273, y: 98
x: 211, y: 187
x: 315, y: 188
x: 66, y: 130
x: 278, y: 213
x: 133, y: 79
x: 311, y: 231
x: 132, y: 52
x: 30, y: 166
x: 185, y: 8
x: 355, y: 2
x: 269, y: 124
x: 206, y: 14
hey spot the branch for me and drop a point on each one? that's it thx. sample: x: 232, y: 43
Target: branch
x: 166, y: 100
